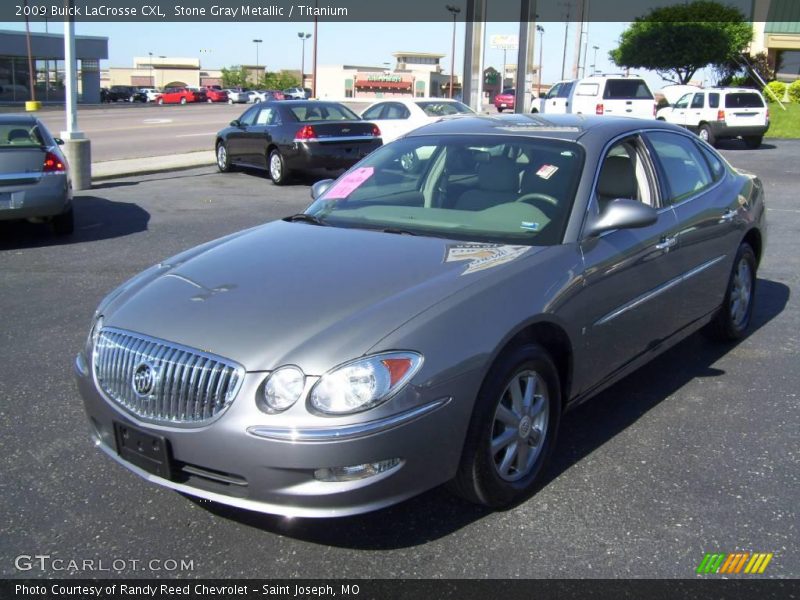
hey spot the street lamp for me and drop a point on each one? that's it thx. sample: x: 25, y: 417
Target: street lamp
x: 152, y: 81
x: 303, y: 37
x: 540, y: 29
x: 454, y: 10
x: 257, y: 42
x: 594, y: 66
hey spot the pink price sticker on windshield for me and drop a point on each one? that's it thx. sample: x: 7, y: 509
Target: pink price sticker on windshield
x: 349, y: 183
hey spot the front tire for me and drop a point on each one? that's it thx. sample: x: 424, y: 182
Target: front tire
x: 513, y: 429
x: 183, y: 100
x: 160, y: 101
x: 735, y: 314
x: 278, y: 171
x: 223, y: 158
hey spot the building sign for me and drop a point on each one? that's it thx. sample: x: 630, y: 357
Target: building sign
x: 385, y: 77
x: 504, y: 42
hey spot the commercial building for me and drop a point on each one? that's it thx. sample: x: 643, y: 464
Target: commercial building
x: 47, y: 53
x: 162, y: 71
x: 415, y: 75
x: 776, y: 31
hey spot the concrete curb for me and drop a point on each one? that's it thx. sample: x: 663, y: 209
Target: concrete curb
x: 152, y: 164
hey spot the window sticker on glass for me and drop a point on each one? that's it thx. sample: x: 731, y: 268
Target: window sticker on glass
x: 529, y: 226
x: 349, y: 183
x: 547, y: 171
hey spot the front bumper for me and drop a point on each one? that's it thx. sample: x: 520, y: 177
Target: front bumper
x: 243, y: 460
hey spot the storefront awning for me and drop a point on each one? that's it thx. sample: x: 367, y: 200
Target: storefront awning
x: 383, y: 85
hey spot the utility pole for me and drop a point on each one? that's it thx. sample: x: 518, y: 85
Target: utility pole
x: 576, y: 63
x: 303, y: 37
x: 77, y: 147
x: 454, y: 10
x: 566, y: 37
x: 314, y: 66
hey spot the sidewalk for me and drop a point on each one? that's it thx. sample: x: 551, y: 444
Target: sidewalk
x: 152, y: 164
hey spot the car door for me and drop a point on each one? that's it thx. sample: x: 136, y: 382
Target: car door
x: 695, y: 184
x: 628, y: 299
x: 694, y: 114
x: 259, y: 134
x: 678, y: 113
x: 237, y: 136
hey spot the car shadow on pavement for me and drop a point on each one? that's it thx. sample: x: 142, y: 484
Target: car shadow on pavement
x: 95, y: 219
x: 437, y: 513
x: 736, y: 144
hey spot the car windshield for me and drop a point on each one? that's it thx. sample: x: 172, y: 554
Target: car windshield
x: 318, y: 111
x: 499, y: 189
x: 16, y: 135
x: 440, y: 109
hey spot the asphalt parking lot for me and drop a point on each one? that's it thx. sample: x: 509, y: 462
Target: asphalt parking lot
x: 696, y: 452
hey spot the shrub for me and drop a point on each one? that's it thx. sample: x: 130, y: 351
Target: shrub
x: 778, y: 89
x: 794, y: 91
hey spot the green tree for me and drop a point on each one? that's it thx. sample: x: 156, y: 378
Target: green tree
x: 235, y: 76
x: 676, y: 41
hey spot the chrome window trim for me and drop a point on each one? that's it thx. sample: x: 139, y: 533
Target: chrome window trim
x: 657, y: 291
x: 332, y: 433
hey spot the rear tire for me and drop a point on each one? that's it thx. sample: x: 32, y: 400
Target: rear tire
x: 512, y: 430
x: 183, y: 100
x: 209, y: 100
x: 734, y: 316
x: 160, y: 101
x: 63, y: 224
x: 753, y: 141
x: 500, y: 110
x: 278, y: 171
x: 705, y: 134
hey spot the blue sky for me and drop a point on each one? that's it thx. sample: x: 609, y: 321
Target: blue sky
x: 225, y: 44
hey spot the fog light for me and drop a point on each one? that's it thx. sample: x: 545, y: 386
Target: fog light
x: 356, y: 472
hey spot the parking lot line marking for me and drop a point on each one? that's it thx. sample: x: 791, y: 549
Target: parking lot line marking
x: 791, y: 210
x: 195, y: 134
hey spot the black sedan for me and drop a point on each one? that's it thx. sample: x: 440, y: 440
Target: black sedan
x: 292, y: 136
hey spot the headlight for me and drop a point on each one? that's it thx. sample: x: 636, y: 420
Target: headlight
x: 94, y: 332
x: 364, y: 383
x: 283, y: 387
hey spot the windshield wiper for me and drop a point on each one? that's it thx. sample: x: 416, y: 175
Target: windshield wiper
x: 398, y: 231
x: 305, y: 218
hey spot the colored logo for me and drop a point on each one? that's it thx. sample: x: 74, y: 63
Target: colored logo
x: 732, y: 564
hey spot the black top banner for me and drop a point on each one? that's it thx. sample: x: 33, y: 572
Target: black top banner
x: 341, y: 10
x: 388, y: 589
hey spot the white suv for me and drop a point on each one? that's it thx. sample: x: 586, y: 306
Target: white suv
x: 616, y: 95
x: 718, y: 113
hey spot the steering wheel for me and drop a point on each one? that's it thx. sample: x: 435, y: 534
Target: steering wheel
x: 544, y: 202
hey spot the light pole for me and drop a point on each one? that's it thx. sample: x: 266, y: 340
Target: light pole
x: 303, y: 37
x: 257, y: 42
x: 594, y: 65
x: 454, y: 10
x: 162, y: 74
x: 566, y: 36
x: 152, y: 81
x: 540, y: 29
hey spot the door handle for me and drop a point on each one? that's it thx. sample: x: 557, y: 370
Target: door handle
x: 728, y: 216
x: 666, y: 243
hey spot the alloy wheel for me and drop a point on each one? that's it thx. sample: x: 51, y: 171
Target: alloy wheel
x: 275, y: 166
x: 222, y: 156
x: 520, y: 425
x: 741, y: 293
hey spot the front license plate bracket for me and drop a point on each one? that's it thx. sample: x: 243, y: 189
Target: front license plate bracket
x: 145, y: 450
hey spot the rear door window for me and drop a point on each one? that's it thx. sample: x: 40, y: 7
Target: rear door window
x: 698, y: 100
x: 713, y: 100
x: 627, y: 89
x: 743, y: 100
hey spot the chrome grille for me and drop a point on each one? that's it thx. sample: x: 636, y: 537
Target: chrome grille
x: 163, y: 382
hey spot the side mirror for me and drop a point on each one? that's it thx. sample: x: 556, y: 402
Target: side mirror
x: 621, y: 214
x: 235, y: 123
x: 320, y: 187
x: 58, y: 141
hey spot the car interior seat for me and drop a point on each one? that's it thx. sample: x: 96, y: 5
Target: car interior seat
x: 617, y: 180
x: 19, y: 136
x: 498, y: 181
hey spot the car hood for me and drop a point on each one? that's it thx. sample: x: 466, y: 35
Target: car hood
x: 295, y: 293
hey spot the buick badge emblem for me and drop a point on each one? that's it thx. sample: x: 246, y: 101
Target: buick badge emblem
x: 144, y: 379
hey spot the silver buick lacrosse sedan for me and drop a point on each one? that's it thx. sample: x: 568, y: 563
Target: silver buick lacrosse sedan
x: 428, y: 319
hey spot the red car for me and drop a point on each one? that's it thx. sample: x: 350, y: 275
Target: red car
x: 215, y: 93
x: 505, y: 100
x: 181, y: 96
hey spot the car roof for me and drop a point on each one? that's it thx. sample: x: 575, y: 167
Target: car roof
x: 18, y: 119
x: 567, y: 127
x: 414, y: 100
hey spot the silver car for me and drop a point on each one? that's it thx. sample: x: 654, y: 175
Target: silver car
x: 34, y: 176
x: 426, y: 320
